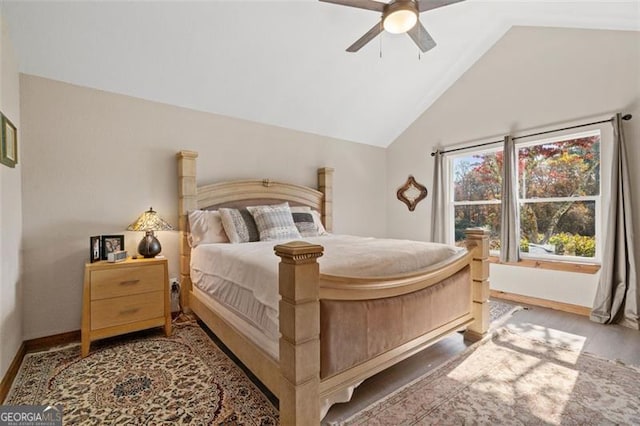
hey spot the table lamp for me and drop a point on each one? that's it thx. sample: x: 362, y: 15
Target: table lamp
x: 149, y: 222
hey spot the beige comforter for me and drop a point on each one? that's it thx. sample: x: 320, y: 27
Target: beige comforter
x: 254, y: 265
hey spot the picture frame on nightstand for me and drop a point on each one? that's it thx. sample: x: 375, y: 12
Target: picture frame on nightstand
x: 95, y: 249
x: 110, y: 244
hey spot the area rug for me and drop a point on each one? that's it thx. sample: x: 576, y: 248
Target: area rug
x: 152, y: 379
x: 499, y: 312
x: 509, y: 379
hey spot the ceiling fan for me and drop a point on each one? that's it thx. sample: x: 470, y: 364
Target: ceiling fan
x: 398, y: 16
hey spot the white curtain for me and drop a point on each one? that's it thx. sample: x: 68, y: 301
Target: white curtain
x: 438, y: 231
x: 510, y: 224
x: 617, y: 296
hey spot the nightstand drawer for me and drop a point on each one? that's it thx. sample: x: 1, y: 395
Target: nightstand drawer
x: 116, y: 282
x: 124, y: 310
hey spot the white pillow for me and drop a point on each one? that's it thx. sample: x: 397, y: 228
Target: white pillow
x: 318, y: 219
x: 206, y: 228
x: 274, y: 222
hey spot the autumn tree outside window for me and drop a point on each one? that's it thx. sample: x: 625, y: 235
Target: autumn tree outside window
x: 558, y: 193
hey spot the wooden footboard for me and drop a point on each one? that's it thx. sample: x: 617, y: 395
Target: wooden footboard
x: 295, y: 378
x: 302, y: 287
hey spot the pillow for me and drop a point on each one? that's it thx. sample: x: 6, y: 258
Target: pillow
x: 318, y: 219
x: 305, y: 224
x: 318, y: 230
x: 274, y: 222
x: 239, y: 225
x: 206, y: 227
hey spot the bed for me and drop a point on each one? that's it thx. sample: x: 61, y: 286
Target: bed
x: 333, y: 327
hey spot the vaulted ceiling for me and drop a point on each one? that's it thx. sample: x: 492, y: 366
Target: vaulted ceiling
x: 278, y: 62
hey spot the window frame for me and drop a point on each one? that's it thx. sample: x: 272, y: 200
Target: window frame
x: 600, y: 200
x: 451, y: 203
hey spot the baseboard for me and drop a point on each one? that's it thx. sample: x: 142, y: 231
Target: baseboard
x: 552, y: 304
x: 11, y: 373
x: 33, y: 345
x: 44, y: 343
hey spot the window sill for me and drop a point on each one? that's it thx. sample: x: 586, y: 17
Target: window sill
x: 583, y: 268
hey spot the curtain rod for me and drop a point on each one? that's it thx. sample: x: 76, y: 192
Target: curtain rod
x: 625, y: 117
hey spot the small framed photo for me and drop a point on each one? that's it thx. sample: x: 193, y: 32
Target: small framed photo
x: 111, y: 243
x: 94, y: 248
x: 8, y: 143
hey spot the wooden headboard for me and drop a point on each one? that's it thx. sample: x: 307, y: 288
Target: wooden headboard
x: 240, y: 193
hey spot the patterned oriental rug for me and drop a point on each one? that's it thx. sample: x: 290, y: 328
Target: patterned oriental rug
x: 514, y: 380
x: 148, y: 380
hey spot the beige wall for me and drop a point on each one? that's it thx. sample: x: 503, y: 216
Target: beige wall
x: 93, y: 161
x: 10, y: 212
x: 532, y: 77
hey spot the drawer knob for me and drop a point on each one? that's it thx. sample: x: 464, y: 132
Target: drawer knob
x: 130, y: 282
x: 129, y: 311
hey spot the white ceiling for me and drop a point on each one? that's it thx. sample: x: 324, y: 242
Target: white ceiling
x: 278, y: 62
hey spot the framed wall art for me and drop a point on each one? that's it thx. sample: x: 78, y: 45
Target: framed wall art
x: 411, y: 193
x: 8, y: 143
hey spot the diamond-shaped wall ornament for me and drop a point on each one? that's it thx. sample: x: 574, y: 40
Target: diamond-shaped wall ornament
x: 411, y: 193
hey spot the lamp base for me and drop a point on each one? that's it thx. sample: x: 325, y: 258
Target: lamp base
x: 149, y: 245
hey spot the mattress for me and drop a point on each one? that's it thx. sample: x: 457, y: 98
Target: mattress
x: 258, y: 337
x: 243, y: 277
x: 238, y: 299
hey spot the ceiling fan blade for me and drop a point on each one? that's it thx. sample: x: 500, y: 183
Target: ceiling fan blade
x: 421, y: 37
x: 360, y: 4
x: 370, y: 35
x: 424, y: 5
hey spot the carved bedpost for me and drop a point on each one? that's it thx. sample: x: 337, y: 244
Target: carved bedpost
x: 325, y: 185
x: 300, y: 333
x: 186, y: 201
x: 478, y: 243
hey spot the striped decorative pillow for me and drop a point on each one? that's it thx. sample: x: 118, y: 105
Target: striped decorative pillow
x: 239, y: 225
x: 302, y: 222
x: 274, y: 222
x: 305, y: 224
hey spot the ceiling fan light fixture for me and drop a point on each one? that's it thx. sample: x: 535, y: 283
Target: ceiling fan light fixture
x: 400, y: 17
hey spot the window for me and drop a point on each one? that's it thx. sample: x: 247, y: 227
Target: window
x: 477, y: 182
x: 558, y: 195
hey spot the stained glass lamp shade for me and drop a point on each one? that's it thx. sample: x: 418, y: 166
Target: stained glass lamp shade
x: 150, y: 222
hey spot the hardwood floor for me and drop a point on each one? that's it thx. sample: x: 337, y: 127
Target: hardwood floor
x: 608, y: 341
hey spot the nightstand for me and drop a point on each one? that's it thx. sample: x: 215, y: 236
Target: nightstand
x: 123, y: 297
